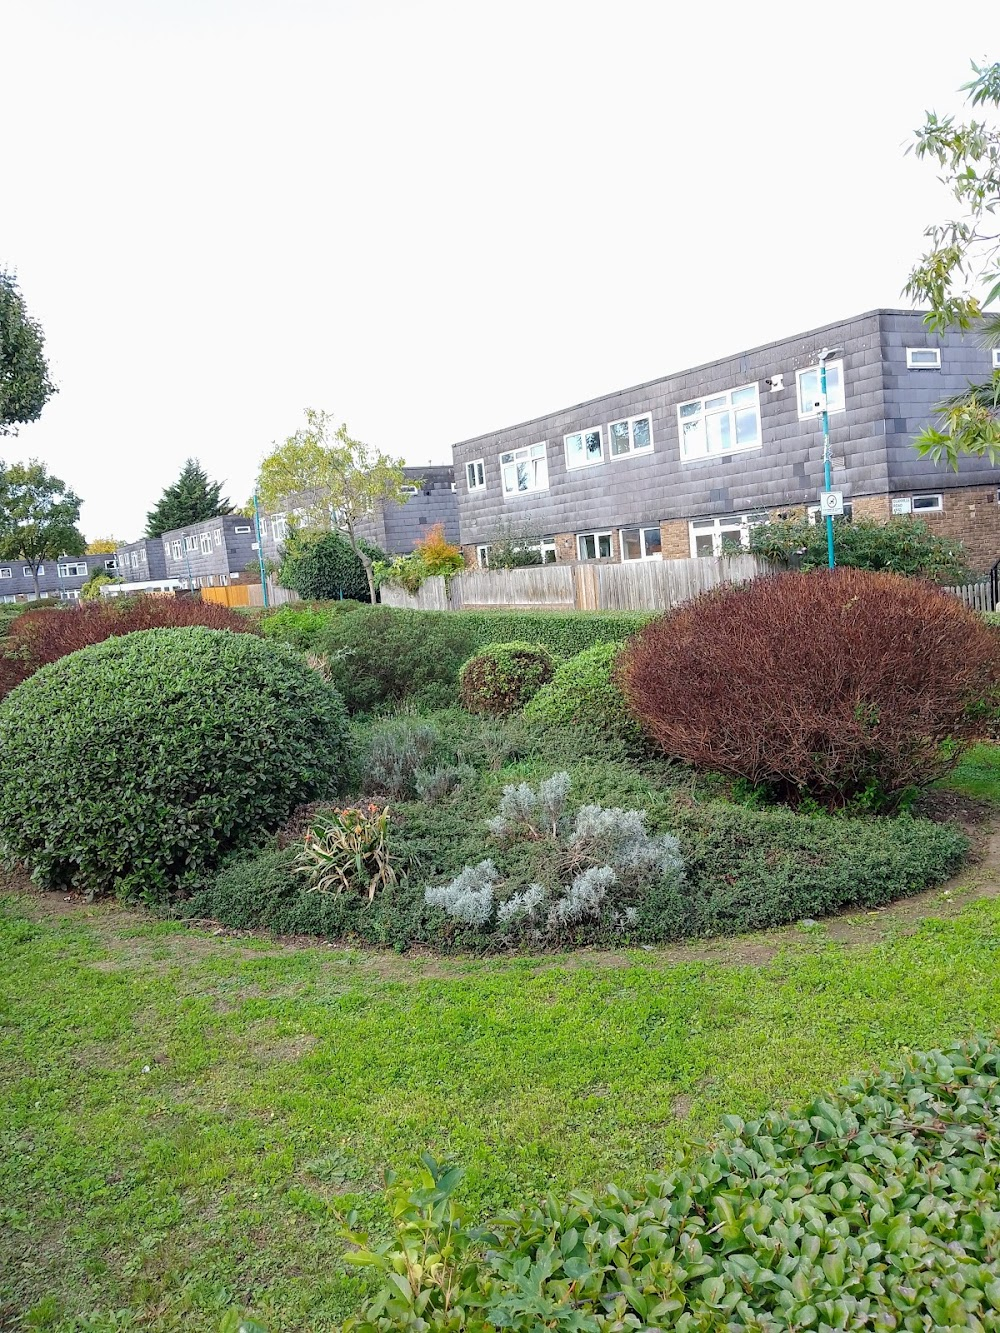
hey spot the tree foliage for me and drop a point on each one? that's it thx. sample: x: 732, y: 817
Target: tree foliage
x: 322, y: 566
x: 25, y: 386
x: 336, y: 480
x: 964, y: 261
x: 431, y: 554
x: 192, y: 498
x: 901, y: 546
x: 102, y: 546
x: 38, y: 516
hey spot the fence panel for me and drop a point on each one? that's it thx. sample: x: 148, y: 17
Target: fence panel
x: 657, y: 585
x: 535, y: 587
x: 978, y: 595
x: 432, y: 595
x: 232, y: 596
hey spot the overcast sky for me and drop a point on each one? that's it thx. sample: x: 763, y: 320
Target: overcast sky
x: 435, y: 219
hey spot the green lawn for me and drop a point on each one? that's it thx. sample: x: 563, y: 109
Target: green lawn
x: 183, y: 1113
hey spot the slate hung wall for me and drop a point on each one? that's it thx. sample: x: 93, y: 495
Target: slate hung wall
x: 885, y: 402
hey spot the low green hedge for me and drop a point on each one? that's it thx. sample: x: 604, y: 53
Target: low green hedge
x: 583, y: 695
x: 875, y: 1207
x: 745, y: 870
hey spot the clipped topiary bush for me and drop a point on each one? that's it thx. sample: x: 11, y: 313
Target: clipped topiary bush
x: 584, y: 694
x: 839, y: 686
x: 874, y: 1207
x: 502, y: 677
x: 133, y: 766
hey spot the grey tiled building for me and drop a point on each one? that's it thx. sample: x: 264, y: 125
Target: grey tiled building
x: 393, y: 527
x: 679, y: 465
x: 58, y: 580
x: 214, y: 553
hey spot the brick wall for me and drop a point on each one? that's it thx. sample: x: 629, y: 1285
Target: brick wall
x: 971, y: 515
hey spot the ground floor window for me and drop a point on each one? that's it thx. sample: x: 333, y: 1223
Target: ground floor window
x: 641, y: 543
x: 594, y: 545
x: 719, y: 536
x: 814, y: 516
x: 483, y: 557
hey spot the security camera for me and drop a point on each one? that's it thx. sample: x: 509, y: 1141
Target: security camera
x: 775, y: 382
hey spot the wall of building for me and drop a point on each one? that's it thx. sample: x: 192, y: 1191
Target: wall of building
x: 54, y: 583
x: 142, y: 561
x: 225, y: 557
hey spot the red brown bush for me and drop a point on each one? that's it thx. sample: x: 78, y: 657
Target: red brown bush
x: 39, y: 637
x: 835, y: 685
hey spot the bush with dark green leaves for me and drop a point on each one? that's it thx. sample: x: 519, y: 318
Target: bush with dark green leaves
x: 133, y: 766
x: 584, y: 695
x: 323, y: 567
x: 875, y: 1207
x: 502, y: 677
x: 899, y: 546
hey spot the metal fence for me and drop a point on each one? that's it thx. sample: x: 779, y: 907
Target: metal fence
x: 650, y: 585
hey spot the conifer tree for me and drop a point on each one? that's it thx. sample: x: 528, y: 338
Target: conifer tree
x: 191, y: 499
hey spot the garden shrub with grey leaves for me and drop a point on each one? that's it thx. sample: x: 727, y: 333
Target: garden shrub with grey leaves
x: 557, y: 873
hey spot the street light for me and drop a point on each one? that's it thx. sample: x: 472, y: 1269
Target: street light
x: 824, y: 356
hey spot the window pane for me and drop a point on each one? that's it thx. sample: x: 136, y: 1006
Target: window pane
x: 746, y: 426
x: 718, y: 432
x: 693, y: 439
x: 808, y: 390
x: 506, y: 458
x: 651, y: 537
x: 471, y: 473
x: 541, y: 474
x: 704, y: 544
x: 538, y: 451
x: 690, y: 409
x: 618, y: 432
x: 523, y: 477
x: 594, y: 451
x: 587, y: 548
x: 641, y: 437
x: 574, y: 450
x: 509, y: 481
x: 631, y: 545
x: 604, y: 545
x: 740, y: 396
x: 834, y: 389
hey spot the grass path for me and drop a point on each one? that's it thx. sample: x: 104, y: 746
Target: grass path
x: 184, y: 1112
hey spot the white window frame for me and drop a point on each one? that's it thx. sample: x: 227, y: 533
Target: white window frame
x: 206, y: 543
x: 241, y: 528
x: 996, y: 358
x: 176, y: 546
x: 279, y: 526
x: 937, y: 507
x: 190, y: 542
x: 26, y: 571
x: 642, y: 529
x: 408, y: 490
x: 546, y: 546
x: 6, y: 573
x: 475, y: 474
x: 72, y: 571
x: 581, y: 435
x: 515, y: 458
x: 581, y: 537
x: 135, y: 559
x: 912, y: 362
x: 720, y: 527
x: 700, y: 403
x: 633, y: 448
x: 110, y: 565
x: 217, y: 536
x: 483, y: 557
x: 832, y: 404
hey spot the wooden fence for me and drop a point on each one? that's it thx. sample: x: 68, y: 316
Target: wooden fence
x: 649, y: 585
x: 979, y: 595
x: 249, y: 594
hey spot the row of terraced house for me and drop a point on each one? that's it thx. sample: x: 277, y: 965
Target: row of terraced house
x: 679, y: 466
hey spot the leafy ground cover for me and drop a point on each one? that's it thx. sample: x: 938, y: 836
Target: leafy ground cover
x: 185, y: 1113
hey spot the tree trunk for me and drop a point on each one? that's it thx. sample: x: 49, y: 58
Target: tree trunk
x: 366, y: 561
x: 34, y: 579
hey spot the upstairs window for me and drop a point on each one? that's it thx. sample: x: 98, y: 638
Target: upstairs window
x: 923, y: 358
x: 475, y: 475
x: 71, y: 571
x: 6, y: 574
x: 190, y: 543
x: 409, y: 490
x: 583, y: 448
x: 996, y: 358
x: 807, y: 387
x: 632, y: 436
x: 217, y: 536
x: 241, y: 528
x: 279, y: 526
x: 722, y: 423
x: 135, y: 559
x: 176, y: 548
x: 206, y: 543
x: 525, y: 470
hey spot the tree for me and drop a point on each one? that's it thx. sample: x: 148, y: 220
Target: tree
x: 321, y: 566
x: 102, y: 546
x: 337, y: 481
x: 901, y: 546
x: 25, y: 386
x: 964, y: 260
x: 191, y: 499
x: 38, y: 517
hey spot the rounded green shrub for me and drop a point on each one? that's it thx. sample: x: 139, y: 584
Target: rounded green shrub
x: 584, y: 695
x: 503, y: 677
x: 133, y: 766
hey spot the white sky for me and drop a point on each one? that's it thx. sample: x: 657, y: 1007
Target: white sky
x: 435, y: 218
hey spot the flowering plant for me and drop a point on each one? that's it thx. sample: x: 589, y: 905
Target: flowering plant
x: 347, y: 847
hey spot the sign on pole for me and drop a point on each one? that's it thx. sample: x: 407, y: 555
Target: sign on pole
x: 831, y: 503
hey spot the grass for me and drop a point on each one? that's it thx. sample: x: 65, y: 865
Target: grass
x: 184, y: 1114
x: 977, y: 774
